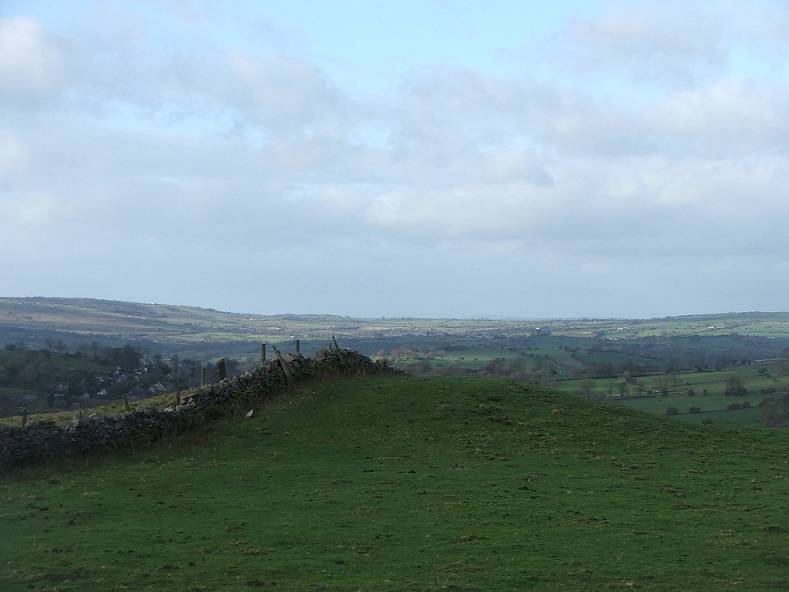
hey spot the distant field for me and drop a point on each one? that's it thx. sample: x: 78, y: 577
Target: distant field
x: 412, y: 484
x: 713, y: 404
x: 699, y: 350
x: 31, y: 319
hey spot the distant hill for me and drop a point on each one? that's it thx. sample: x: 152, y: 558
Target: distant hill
x: 603, y: 357
x: 163, y: 328
x: 201, y: 333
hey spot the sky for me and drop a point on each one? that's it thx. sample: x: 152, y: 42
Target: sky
x: 398, y: 158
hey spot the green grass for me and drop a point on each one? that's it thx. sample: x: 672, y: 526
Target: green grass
x: 714, y: 404
x: 412, y: 484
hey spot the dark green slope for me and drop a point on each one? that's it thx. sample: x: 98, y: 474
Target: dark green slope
x: 411, y: 484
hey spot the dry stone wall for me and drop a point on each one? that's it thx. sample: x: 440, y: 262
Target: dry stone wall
x: 44, y: 440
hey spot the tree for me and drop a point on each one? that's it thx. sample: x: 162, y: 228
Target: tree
x: 660, y: 383
x: 176, y: 371
x: 601, y: 369
x: 734, y: 387
x: 586, y: 387
x: 29, y: 375
x: 777, y: 413
x: 129, y: 357
x: 420, y: 367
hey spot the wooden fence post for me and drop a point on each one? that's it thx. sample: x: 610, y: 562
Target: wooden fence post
x: 298, y: 347
x: 262, y: 354
x: 284, y: 366
x: 202, y: 376
x: 220, y: 366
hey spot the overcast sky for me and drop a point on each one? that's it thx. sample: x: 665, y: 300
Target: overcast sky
x: 430, y: 158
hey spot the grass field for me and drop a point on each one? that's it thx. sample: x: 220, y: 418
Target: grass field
x: 412, y: 484
x: 708, y: 389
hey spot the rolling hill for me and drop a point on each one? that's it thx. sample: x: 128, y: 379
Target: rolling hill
x: 168, y: 328
x: 386, y: 484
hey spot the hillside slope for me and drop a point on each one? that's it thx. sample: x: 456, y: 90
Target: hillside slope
x: 413, y: 484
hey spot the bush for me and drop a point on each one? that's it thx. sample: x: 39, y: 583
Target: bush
x: 694, y: 410
x: 672, y: 411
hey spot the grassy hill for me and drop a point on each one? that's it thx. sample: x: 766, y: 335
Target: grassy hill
x: 412, y: 484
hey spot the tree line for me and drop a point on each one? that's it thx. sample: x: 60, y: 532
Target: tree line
x: 54, y: 378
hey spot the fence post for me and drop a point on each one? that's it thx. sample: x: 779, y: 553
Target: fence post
x: 298, y: 347
x: 262, y: 354
x: 202, y: 375
x: 220, y: 366
x: 284, y: 366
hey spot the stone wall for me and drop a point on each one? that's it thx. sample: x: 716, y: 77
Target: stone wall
x: 43, y: 440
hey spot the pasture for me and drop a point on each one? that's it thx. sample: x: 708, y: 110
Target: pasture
x: 392, y: 484
x: 700, y: 390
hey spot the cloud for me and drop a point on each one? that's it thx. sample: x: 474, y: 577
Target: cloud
x: 663, y: 42
x: 731, y: 116
x: 13, y: 153
x: 642, y: 162
x: 31, y: 66
x: 279, y: 90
